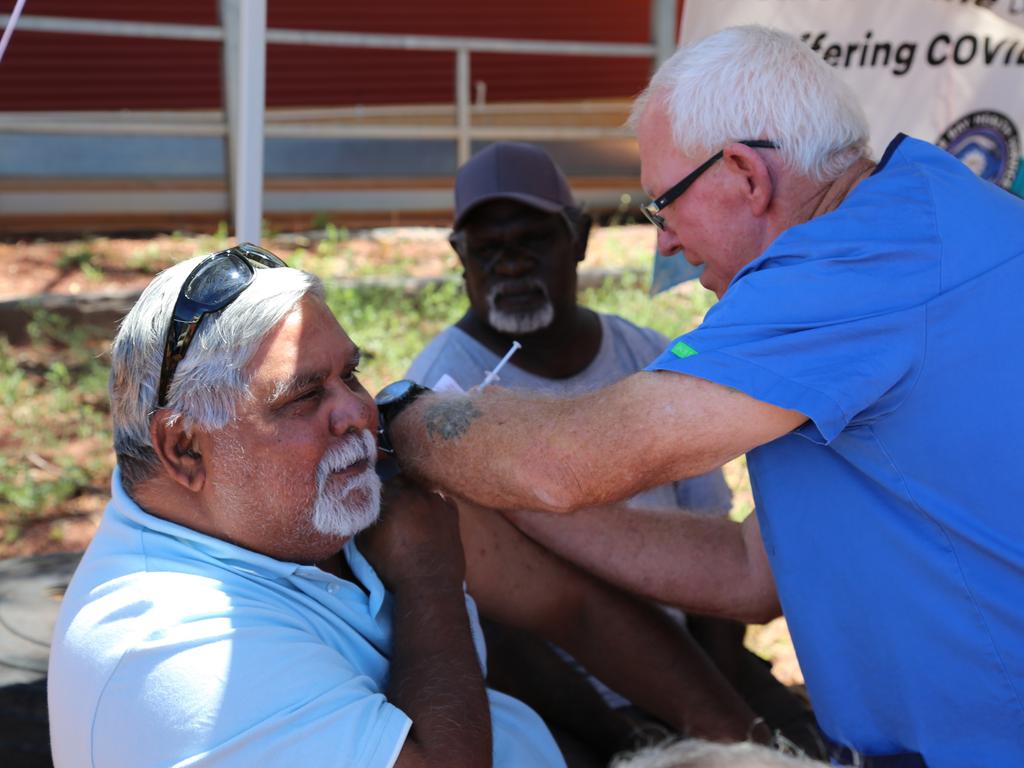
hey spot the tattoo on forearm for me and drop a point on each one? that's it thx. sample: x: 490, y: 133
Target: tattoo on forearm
x: 450, y: 419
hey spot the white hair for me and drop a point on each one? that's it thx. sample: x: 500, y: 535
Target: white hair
x: 753, y: 82
x: 211, y: 379
x: 695, y: 753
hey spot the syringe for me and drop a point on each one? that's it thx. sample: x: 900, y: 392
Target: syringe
x: 492, y: 375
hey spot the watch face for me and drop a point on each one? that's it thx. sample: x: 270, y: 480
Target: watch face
x: 394, y: 391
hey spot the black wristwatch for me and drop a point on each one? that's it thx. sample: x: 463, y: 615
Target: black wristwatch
x: 391, y: 401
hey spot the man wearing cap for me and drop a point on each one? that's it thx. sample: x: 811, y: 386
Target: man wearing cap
x: 520, y: 234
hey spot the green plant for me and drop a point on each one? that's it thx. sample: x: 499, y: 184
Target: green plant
x: 76, y: 256
x: 145, y: 259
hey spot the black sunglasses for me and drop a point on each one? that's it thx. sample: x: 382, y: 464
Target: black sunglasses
x: 215, y: 282
x: 654, y: 207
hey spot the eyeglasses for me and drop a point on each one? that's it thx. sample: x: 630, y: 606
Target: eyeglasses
x: 654, y: 207
x: 215, y: 282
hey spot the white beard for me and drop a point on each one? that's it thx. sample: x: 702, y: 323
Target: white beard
x: 511, y: 322
x: 344, y: 509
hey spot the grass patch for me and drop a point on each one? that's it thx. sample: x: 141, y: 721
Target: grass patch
x: 56, y: 439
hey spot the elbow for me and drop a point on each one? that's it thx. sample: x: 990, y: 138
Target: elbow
x: 551, y: 489
x: 555, y: 500
x: 761, y: 602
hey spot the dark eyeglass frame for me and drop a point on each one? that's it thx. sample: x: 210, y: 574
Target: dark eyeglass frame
x: 656, y: 206
x: 238, y: 264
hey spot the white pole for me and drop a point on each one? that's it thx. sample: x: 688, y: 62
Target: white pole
x: 663, y: 30
x: 247, y: 146
x: 462, y: 105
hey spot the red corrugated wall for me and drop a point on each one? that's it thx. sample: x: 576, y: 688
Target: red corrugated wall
x: 43, y: 71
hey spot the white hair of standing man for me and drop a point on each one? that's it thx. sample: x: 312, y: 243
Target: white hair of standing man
x: 753, y: 82
x: 211, y: 379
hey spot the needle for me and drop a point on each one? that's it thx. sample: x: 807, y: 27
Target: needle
x: 492, y: 375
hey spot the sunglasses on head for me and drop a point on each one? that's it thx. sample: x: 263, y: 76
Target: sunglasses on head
x: 652, y: 209
x: 215, y: 282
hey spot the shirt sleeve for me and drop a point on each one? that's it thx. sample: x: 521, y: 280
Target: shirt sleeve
x: 837, y: 339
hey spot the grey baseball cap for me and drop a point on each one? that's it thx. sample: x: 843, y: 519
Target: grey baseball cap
x: 508, y: 170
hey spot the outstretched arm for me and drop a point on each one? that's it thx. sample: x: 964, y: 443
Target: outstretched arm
x: 707, y: 565
x: 628, y: 643
x: 512, y: 450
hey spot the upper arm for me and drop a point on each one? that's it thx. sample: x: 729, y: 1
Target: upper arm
x: 513, y: 579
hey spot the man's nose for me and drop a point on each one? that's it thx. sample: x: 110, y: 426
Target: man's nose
x: 513, y: 262
x: 668, y: 243
x: 351, y: 411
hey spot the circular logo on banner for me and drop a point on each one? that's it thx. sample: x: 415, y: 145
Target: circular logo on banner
x: 988, y: 143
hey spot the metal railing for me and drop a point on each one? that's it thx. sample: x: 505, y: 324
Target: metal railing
x: 207, y: 124
x: 246, y: 123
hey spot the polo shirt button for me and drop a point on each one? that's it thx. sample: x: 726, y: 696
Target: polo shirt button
x: 332, y: 587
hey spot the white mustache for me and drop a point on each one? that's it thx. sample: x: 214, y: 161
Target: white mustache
x: 515, y: 286
x: 344, y: 509
x: 356, y: 447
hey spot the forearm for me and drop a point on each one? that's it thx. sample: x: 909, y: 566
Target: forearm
x: 435, y: 679
x: 705, y: 565
x: 492, y: 438
x: 513, y: 450
x: 639, y: 651
x: 626, y: 642
x: 516, y: 450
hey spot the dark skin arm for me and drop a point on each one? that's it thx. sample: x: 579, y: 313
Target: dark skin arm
x: 628, y: 643
x: 435, y: 676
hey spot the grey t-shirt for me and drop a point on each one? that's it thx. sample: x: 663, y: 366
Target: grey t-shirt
x: 625, y: 349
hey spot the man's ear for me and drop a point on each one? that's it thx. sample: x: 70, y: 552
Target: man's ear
x: 583, y: 224
x: 178, y: 451
x: 462, y: 259
x: 754, y: 175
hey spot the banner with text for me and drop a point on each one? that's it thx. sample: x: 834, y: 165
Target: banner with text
x: 948, y: 71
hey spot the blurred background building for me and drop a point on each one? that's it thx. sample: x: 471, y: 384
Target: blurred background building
x: 114, y: 114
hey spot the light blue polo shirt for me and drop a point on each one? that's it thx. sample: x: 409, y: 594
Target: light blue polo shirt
x: 893, y: 517
x: 173, y: 648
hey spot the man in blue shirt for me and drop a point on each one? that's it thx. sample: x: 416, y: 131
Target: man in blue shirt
x: 861, y: 354
x: 520, y: 235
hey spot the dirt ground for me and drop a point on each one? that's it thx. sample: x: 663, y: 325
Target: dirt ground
x: 104, y: 264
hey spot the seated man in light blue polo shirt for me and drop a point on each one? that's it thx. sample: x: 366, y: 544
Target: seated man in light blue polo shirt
x: 224, y: 614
